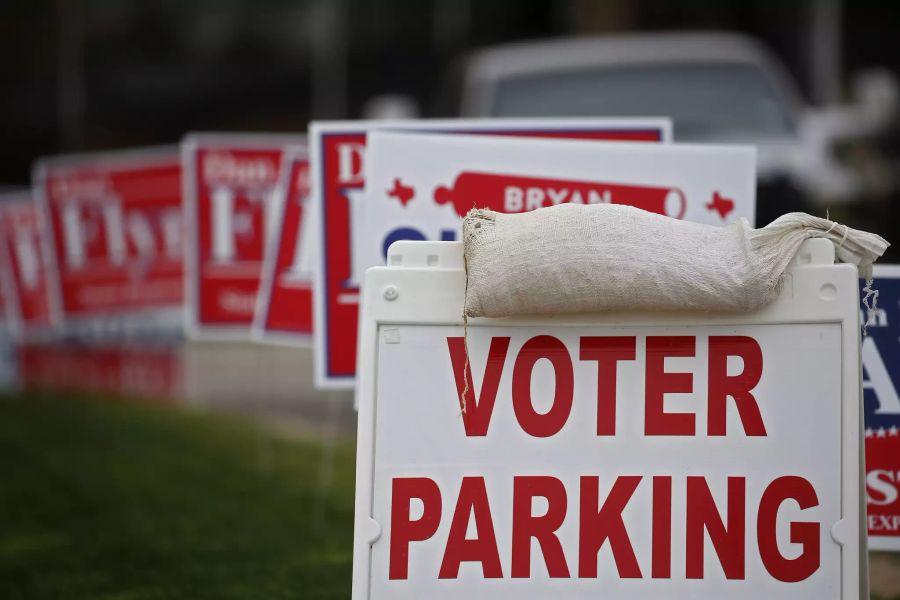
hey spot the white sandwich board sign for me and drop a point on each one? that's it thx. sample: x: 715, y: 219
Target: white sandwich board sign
x: 614, y: 455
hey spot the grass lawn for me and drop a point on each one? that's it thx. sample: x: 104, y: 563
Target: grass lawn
x: 102, y: 499
x: 108, y: 500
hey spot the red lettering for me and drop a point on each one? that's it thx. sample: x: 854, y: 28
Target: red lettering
x: 403, y: 529
x: 476, y: 416
x: 598, y: 526
x: 702, y: 515
x: 662, y: 527
x: 543, y: 528
x: 472, y: 500
x: 607, y: 351
x: 739, y: 387
x: 658, y: 383
x: 804, y: 533
x: 531, y: 421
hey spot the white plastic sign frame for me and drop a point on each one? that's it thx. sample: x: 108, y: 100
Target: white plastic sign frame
x: 417, y: 300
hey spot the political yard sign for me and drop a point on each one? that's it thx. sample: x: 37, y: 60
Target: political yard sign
x: 338, y: 159
x: 613, y: 456
x: 114, y: 237
x: 230, y: 192
x: 25, y: 280
x: 284, y: 305
x: 881, y: 380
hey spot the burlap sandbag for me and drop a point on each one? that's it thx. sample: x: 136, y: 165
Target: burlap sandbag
x: 575, y: 258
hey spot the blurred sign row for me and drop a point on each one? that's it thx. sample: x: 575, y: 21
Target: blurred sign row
x: 266, y: 237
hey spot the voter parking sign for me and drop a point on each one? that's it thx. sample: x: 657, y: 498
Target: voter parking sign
x: 610, y: 455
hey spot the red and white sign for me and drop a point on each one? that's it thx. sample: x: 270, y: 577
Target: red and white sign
x: 230, y: 189
x: 115, y: 236
x: 25, y: 276
x: 338, y: 158
x: 411, y: 198
x: 284, y: 311
x: 614, y: 456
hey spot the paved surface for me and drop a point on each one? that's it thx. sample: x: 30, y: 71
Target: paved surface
x: 884, y: 574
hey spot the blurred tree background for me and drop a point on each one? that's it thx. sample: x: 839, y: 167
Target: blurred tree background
x: 91, y: 74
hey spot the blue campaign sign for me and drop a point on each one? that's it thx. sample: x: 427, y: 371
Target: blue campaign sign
x: 881, y: 380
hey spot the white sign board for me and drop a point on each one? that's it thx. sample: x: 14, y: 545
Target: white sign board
x: 408, y: 197
x: 613, y: 455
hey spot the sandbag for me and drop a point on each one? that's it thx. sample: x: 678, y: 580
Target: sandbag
x: 575, y: 258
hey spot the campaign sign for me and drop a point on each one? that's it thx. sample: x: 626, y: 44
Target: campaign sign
x: 230, y: 187
x: 881, y: 380
x: 410, y: 198
x: 115, y: 232
x: 338, y: 169
x: 24, y: 266
x: 628, y: 455
x: 284, y: 311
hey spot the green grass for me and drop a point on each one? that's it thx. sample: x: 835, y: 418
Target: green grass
x: 108, y: 500
x: 120, y: 501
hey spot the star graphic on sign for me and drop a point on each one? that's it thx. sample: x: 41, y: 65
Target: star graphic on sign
x: 892, y: 431
x: 869, y: 432
x: 881, y: 432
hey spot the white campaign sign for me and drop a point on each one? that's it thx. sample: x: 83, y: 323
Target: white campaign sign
x: 614, y: 456
x: 419, y: 186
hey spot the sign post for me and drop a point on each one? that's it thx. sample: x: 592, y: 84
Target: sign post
x: 650, y: 455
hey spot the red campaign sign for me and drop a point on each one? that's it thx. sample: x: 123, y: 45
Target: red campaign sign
x: 285, y: 303
x: 230, y: 187
x: 115, y: 230
x: 342, y: 180
x: 153, y: 373
x: 25, y: 276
